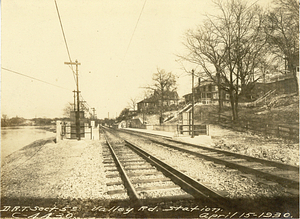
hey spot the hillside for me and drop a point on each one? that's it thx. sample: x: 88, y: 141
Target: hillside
x: 275, y: 110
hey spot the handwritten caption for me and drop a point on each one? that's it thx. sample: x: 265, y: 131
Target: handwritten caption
x: 39, y: 212
x: 70, y: 212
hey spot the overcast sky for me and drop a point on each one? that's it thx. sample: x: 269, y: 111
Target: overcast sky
x: 119, y: 44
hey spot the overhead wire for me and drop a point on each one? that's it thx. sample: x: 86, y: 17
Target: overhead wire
x: 18, y: 73
x: 134, y: 30
x: 85, y: 102
x: 65, y: 39
x: 66, y: 44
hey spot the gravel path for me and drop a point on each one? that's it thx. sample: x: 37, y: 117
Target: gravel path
x: 69, y: 168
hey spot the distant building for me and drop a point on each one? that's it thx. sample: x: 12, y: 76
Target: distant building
x: 147, y: 104
x: 151, y: 104
x: 281, y: 83
x: 206, y: 92
x: 132, y: 112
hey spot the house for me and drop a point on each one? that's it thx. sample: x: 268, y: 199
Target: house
x: 146, y: 104
x: 206, y: 92
x: 152, y: 103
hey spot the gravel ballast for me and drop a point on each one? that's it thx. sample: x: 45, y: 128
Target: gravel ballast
x: 72, y: 173
x: 218, y: 178
x: 69, y: 168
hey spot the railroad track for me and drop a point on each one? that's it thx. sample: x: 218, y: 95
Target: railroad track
x: 144, y: 178
x: 264, y: 171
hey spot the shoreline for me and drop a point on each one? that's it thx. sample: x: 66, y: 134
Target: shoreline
x: 37, y: 144
x: 14, y: 138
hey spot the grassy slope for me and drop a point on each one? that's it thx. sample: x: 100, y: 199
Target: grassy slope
x: 281, y: 109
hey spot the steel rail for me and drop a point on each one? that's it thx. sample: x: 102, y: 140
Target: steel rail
x: 228, y: 153
x: 268, y: 176
x: 254, y: 159
x: 143, y: 133
x: 191, y: 186
x: 130, y: 188
x: 188, y: 184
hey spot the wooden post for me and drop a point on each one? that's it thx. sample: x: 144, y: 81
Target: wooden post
x: 193, y: 103
x: 207, y: 129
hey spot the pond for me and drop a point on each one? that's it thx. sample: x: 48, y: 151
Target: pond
x: 14, y: 138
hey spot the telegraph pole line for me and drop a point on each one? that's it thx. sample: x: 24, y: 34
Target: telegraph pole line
x: 193, y: 102
x: 77, y: 91
x: 74, y: 100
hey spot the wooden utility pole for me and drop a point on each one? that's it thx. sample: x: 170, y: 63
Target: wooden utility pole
x: 77, y: 91
x: 93, y: 109
x: 193, y: 100
x: 220, y: 95
x: 74, y: 100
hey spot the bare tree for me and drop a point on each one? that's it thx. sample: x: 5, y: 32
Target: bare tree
x: 283, y: 31
x: 67, y: 110
x: 132, y: 104
x: 229, y: 47
x: 4, y: 120
x: 164, y: 86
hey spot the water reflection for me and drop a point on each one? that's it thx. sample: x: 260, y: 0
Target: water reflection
x: 14, y: 138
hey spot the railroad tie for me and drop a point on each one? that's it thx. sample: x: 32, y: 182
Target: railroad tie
x: 114, y: 183
x: 138, y: 168
x: 113, y: 175
x: 160, y: 179
x: 144, y: 173
x: 108, y: 161
x: 269, y: 183
x: 294, y: 192
x: 155, y: 188
x: 111, y: 170
x: 117, y: 191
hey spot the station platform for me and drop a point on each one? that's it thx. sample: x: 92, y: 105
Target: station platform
x: 204, y: 140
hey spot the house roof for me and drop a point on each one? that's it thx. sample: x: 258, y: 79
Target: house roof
x: 172, y: 95
x: 148, y: 100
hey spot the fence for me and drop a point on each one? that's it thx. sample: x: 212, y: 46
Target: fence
x: 284, y: 131
x: 260, y: 99
x: 67, y: 130
x: 199, y: 129
x: 166, y: 128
